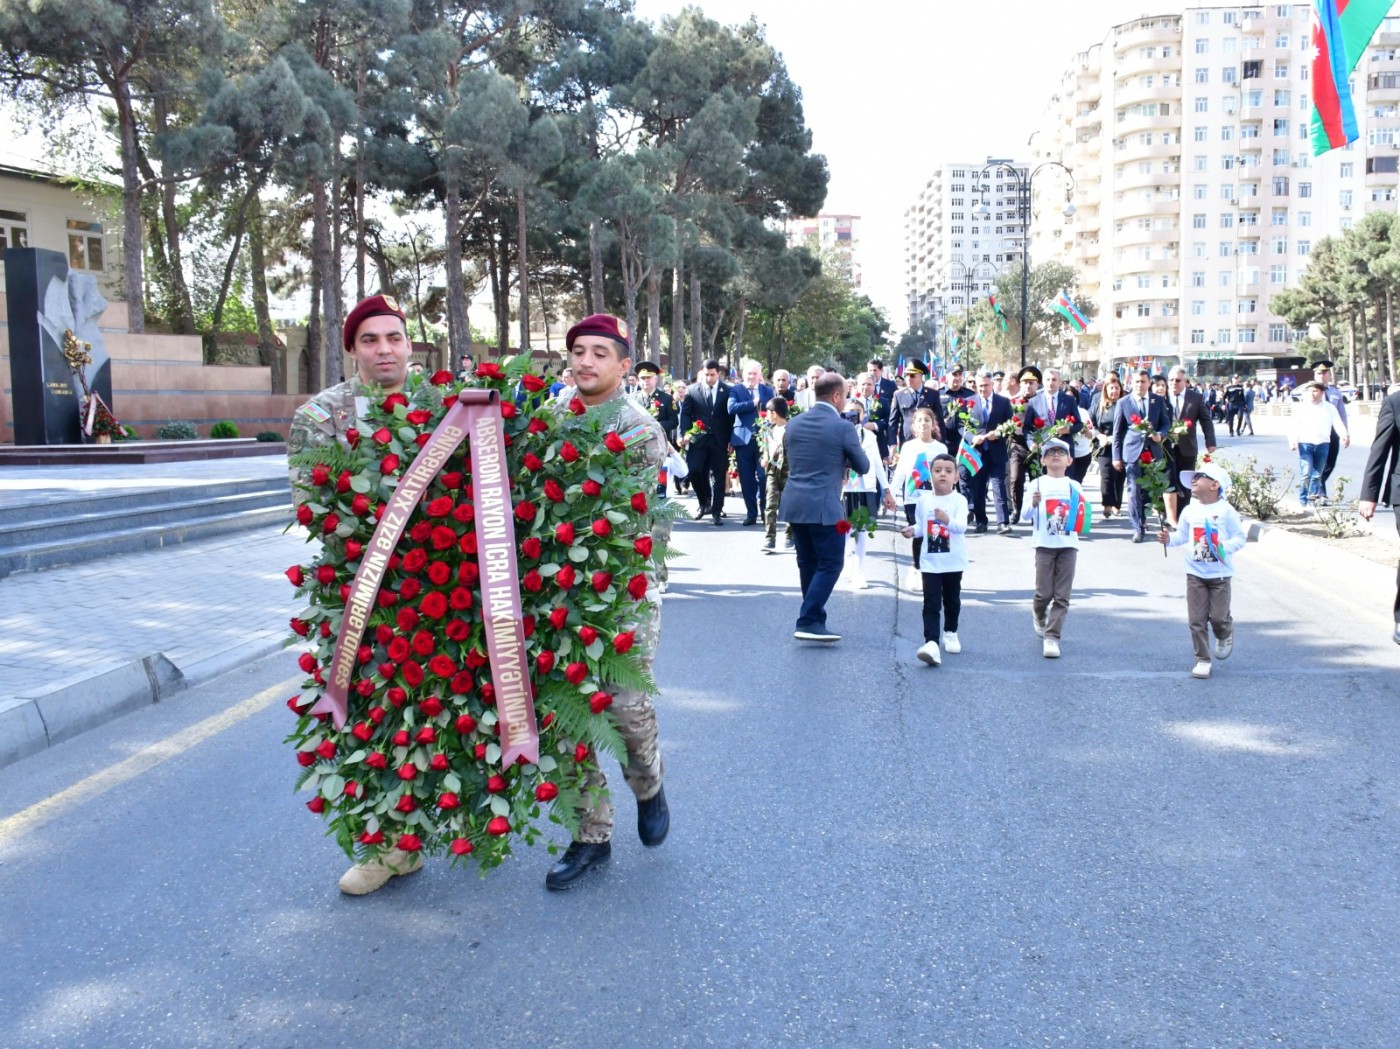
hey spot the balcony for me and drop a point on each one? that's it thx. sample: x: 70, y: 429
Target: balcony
x: 1135, y: 205
x: 1134, y: 122
x: 1132, y: 179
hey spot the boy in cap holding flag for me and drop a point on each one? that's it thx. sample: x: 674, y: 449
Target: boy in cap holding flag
x: 1214, y: 533
x: 1058, y: 514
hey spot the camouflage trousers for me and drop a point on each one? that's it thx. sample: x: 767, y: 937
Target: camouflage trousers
x: 636, y: 722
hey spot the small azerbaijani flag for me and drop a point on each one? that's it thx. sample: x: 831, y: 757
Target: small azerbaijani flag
x: 977, y: 339
x: 969, y: 458
x: 1214, y: 543
x: 1067, y: 309
x: 996, y: 309
x: 1341, y: 30
x: 953, y: 344
x: 1081, y: 514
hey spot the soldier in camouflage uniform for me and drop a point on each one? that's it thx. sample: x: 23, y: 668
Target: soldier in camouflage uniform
x: 599, y: 354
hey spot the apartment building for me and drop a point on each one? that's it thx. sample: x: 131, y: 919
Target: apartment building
x: 965, y: 226
x: 1197, y: 196
x: 835, y: 234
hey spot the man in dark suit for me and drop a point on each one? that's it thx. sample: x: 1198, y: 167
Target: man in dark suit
x: 989, y: 411
x: 1052, y: 404
x: 880, y: 413
x: 820, y: 446
x: 1130, y: 444
x: 1188, y: 406
x: 1381, y: 481
x: 651, y: 398
x: 706, y: 404
x: 746, y: 406
x: 918, y: 394
x: 953, y: 398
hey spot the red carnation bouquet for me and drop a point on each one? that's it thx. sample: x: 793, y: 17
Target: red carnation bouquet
x: 417, y: 763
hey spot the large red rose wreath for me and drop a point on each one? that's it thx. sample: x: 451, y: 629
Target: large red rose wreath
x: 417, y: 764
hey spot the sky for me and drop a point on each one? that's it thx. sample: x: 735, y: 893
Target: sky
x: 892, y: 88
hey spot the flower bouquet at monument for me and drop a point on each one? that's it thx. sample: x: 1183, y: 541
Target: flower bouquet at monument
x: 470, y: 610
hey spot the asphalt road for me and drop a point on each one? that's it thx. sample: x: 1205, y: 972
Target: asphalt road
x: 1003, y: 851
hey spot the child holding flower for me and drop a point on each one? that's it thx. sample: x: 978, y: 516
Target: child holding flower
x: 940, y: 519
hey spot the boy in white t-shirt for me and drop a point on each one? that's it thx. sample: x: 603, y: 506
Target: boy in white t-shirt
x: 1211, y: 531
x: 1052, y: 502
x: 940, y: 518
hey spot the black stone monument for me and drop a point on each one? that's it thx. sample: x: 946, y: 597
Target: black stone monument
x: 44, y: 300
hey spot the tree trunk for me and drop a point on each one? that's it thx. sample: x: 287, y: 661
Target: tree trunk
x: 595, y: 268
x: 523, y: 277
x: 697, y: 340
x: 182, y: 306
x: 270, y: 350
x: 458, y: 334
x: 132, y: 275
x: 315, y: 381
x: 321, y: 254
x: 1387, y: 374
x: 743, y: 311
x: 544, y: 318
x: 216, y: 325
x: 360, y: 177
x: 654, y: 316
x: 678, y: 348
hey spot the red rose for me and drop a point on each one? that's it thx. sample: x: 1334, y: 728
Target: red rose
x: 382, y: 435
x: 624, y: 642
x: 342, y: 483
x: 419, y: 533
x: 407, y: 771
x: 642, y: 545
x: 317, y: 805
x: 423, y: 643
x: 602, y: 528
x: 300, y: 627
x: 599, y: 702
x: 581, y: 752
x: 330, y: 523
x: 537, y: 425
x: 407, y: 619
x: 325, y: 574
x: 499, y: 826
x: 489, y: 370
x: 558, y: 617
x: 388, y: 404
x: 613, y: 443
x: 475, y: 659
x: 574, y: 673
x: 365, y: 688
x: 405, y: 804
x: 1135, y: 419
x: 461, y: 683
x: 488, y: 696
x: 442, y: 378
x: 352, y: 437
x: 296, y: 575
x: 352, y: 789
x: 412, y: 673
x: 1037, y: 422
x: 353, y: 548
x: 444, y: 538
x: 449, y: 801
x: 532, y: 581
x: 426, y: 734
x: 532, y: 462
x: 526, y: 511
x: 531, y: 548
x: 433, y: 605
x: 637, y: 587
x: 461, y: 846
x: 458, y: 629
x: 601, y: 581
x: 398, y: 650
x: 410, y: 842
x: 553, y: 491
x: 544, y: 662
x: 414, y: 560
x: 326, y: 749
x: 577, y: 406
x: 362, y: 731
x: 480, y: 751
x: 466, y: 724
x: 388, y: 464
x: 305, y: 758
x: 563, y: 534
x: 568, y: 452
x: 548, y: 720
x: 419, y: 416
x: 592, y: 488
x: 304, y: 515
x: 377, y: 714
x: 532, y: 382
x: 587, y: 635
x: 440, y: 507
x: 397, y: 697
x: 442, y: 665
x: 431, y: 707
x: 359, y: 506
x: 366, y: 838
x: 843, y: 527
x: 546, y: 792
x: 639, y: 502
x: 1190, y: 423
x: 377, y: 761
x: 495, y: 784
x: 468, y: 543
x: 439, y: 763
x: 1145, y: 457
x: 565, y: 577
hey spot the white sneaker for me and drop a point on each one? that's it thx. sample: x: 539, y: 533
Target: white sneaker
x: 1201, y: 669
x: 951, y: 644
x: 375, y: 874
x: 928, y: 653
x: 1039, y: 625
x: 1050, y: 648
x: 1224, y: 646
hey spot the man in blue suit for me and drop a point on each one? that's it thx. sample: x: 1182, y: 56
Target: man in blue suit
x: 746, y: 405
x: 820, y: 446
x: 1130, y: 445
x: 990, y: 409
x: 1049, y: 406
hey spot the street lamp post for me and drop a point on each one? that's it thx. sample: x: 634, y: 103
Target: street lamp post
x: 1025, y: 181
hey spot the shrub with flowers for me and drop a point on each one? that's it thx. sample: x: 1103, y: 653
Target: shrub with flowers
x: 417, y: 764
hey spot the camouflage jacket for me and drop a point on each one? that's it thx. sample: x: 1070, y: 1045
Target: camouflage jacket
x: 321, y: 420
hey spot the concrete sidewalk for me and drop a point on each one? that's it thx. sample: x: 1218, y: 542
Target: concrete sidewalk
x: 81, y: 644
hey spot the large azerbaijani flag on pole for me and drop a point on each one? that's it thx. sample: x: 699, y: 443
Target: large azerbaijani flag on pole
x: 1067, y: 309
x: 997, y: 310
x: 1341, y: 29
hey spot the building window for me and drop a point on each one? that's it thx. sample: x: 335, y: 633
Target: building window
x: 1198, y: 279
x: 1227, y: 133
x: 1222, y: 308
x: 1279, y: 246
x: 1247, y: 334
x: 1305, y: 189
x: 1278, y: 274
x: 1198, y: 222
x: 1227, y: 75
x: 1305, y: 248
x: 1248, y: 306
x: 85, y: 245
x: 1198, y: 192
x: 1198, y: 249
x: 1345, y: 198
x: 1280, y: 185
x: 1222, y: 336
x: 14, y: 229
x: 1201, y: 105
x: 1203, y: 76
x: 1144, y: 309
x: 1226, y: 249
x: 1198, y: 307
x: 1198, y: 336
x: 1202, y: 46
x: 1198, y: 134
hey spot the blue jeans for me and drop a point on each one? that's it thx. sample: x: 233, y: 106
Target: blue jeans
x: 820, y: 555
x: 1312, y: 460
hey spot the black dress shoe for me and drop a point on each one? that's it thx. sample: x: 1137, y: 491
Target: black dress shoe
x: 653, y: 819
x: 580, y: 858
x: 981, y: 528
x: 749, y: 522
x: 702, y: 513
x: 718, y: 522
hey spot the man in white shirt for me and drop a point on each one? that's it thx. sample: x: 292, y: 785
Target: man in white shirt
x: 1314, y: 421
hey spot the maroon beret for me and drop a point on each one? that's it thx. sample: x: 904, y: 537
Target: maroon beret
x: 604, y: 324
x: 374, y: 306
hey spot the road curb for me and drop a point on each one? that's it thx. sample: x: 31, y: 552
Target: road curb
x: 36, y: 721
x: 1370, y: 583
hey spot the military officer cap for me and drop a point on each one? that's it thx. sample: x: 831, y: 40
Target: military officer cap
x: 374, y: 306
x: 1029, y: 372
x: 604, y: 324
x: 917, y: 367
x: 1321, y: 364
x: 648, y: 368
x: 998, y: 375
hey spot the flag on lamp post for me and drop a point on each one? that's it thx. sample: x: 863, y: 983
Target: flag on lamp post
x: 1066, y: 308
x: 1341, y: 29
x: 998, y: 311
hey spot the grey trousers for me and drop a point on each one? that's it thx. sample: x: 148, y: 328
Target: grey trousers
x: 1207, y: 603
x: 1054, y: 579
